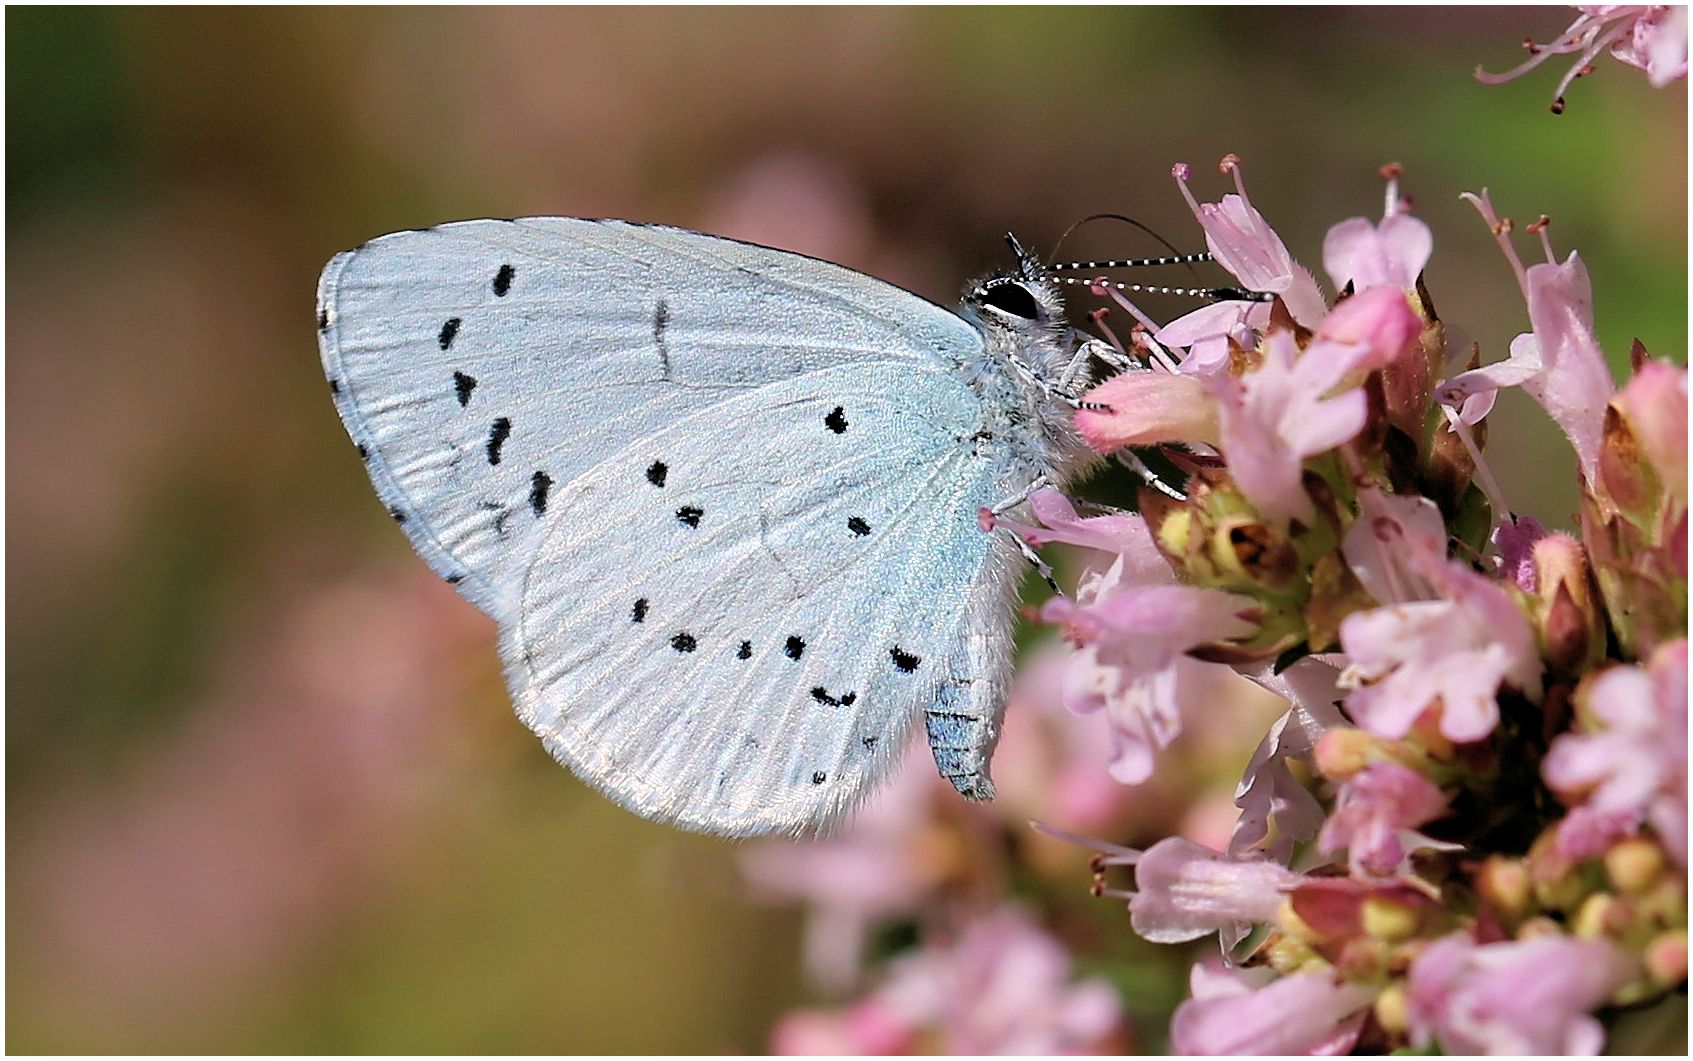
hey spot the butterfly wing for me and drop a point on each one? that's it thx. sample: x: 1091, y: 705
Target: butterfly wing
x: 719, y: 498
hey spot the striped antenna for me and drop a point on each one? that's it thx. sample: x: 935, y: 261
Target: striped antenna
x: 1215, y: 294
x: 1135, y: 263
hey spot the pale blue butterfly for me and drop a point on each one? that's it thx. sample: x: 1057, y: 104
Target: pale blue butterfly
x: 724, y: 502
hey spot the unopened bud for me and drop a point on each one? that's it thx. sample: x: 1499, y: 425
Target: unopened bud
x: 1572, y: 626
x: 1388, y: 920
x: 1393, y: 1012
x: 1602, y: 914
x: 1504, y: 884
x: 1343, y: 751
x: 1634, y: 865
x: 1666, y: 957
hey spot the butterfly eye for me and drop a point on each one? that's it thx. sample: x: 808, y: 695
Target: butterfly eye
x: 1010, y: 297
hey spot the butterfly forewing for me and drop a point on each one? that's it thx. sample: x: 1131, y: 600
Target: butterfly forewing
x: 714, y: 494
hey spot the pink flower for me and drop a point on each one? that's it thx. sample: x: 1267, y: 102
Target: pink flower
x: 1525, y: 997
x: 1244, y: 243
x: 1276, y: 810
x: 1559, y: 364
x: 1515, y: 539
x: 1184, y: 891
x: 1630, y: 764
x: 1375, y: 815
x: 1652, y: 38
x: 1374, y: 327
x: 1132, y: 666
x: 1242, y: 1012
x: 1390, y: 254
x: 1281, y: 413
x: 1143, y: 408
x: 1004, y: 987
x: 1457, y: 651
x: 1395, y: 545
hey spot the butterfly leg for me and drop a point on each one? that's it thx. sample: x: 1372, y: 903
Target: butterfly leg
x: 1132, y: 461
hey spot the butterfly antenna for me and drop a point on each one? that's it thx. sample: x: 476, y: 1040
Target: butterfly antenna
x: 1214, y: 294
x: 1175, y: 257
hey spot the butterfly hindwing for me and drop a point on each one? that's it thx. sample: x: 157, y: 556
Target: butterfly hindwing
x: 744, y: 650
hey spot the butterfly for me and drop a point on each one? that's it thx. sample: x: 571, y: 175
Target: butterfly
x: 729, y: 506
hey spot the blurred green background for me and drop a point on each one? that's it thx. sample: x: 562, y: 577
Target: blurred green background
x: 264, y: 790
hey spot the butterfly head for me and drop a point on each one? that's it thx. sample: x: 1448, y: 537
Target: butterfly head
x: 1025, y: 302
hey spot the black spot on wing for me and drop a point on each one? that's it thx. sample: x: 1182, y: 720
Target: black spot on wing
x: 904, y: 660
x: 334, y: 385
x: 497, y: 436
x: 640, y: 611
x: 689, y: 516
x: 323, y: 318
x: 821, y: 695
x: 449, y: 331
x: 745, y: 651
x: 794, y: 647
x: 502, y: 280
x: 684, y: 642
x: 539, y: 486
x: 462, y: 386
x: 398, y: 516
x: 661, y: 321
x: 858, y: 526
x: 836, y: 421
x: 869, y: 743
x: 454, y: 579
x: 819, y: 777
x: 656, y: 471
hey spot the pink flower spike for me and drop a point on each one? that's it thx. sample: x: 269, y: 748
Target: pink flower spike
x: 1242, y: 1013
x: 1145, y: 408
x: 1184, y: 891
x: 1523, y: 998
x: 1243, y: 242
x: 1390, y: 254
x: 1374, y: 814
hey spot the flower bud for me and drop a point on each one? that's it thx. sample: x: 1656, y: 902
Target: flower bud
x: 1634, y: 865
x: 1388, y: 920
x: 1343, y: 751
x: 1570, y: 622
x: 1505, y: 885
x: 1666, y: 957
x: 1392, y: 1010
x: 1643, y: 456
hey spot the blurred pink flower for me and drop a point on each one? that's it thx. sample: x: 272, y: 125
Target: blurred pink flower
x: 1395, y: 545
x: 1249, y: 1012
x: 1649, y: 37
x: 1370, y: 330
x: 1244, y: 243
x: 1375, y: 814
x: 1003, y: 987
x: 1522, y: 997
x: 876, y: 868
x: 237, y: 842
x: 1628, y: 763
